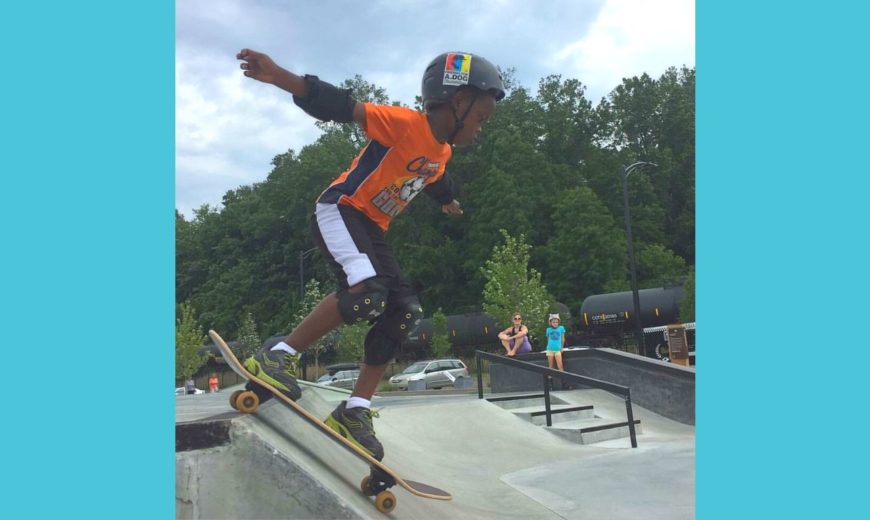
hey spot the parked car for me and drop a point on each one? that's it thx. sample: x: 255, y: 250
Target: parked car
x: 433, y: 372
x: 341, y: 379
x: 332, y: 369
x: 180, y: 391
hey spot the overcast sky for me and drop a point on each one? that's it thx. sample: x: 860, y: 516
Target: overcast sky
x: 228, y: 127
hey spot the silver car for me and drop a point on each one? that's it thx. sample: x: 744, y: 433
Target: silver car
x: 431, y: 374
x: 341, y: 379
x: 183, y: 391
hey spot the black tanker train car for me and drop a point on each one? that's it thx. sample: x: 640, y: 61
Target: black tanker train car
x: 467, y: 332
x: 606, y: 319
x: 464, y: 331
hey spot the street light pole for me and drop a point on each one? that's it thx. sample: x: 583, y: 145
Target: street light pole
x: 302, y: 255
x: 638, y: 326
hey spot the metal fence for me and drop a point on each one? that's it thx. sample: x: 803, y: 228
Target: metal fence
x: 547, y: 375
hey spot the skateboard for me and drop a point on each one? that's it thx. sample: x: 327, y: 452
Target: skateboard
x: 381, y: 478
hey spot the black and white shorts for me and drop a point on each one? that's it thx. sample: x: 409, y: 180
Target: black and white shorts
x: 354, y: 246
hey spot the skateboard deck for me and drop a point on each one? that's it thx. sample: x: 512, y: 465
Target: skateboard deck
x: 375, y: 484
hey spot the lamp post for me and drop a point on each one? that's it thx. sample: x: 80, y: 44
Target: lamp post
x: 302, y: 255
x: 638, y: 327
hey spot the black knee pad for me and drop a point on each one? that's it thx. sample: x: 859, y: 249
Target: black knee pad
x: 404, y: 314
x: 367, y: 304
x: 379, y: 346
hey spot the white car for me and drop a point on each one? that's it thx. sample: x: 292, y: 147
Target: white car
x: 341, y: 379
x: 180, y: 391
x: 436, y: 373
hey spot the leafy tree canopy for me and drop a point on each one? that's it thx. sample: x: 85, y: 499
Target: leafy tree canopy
x: 546, y: 167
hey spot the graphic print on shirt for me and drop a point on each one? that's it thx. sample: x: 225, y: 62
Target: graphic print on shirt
x: 393, y: 198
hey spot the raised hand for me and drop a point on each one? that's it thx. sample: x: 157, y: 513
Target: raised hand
x: 454, y: 208
x: 258, y: 66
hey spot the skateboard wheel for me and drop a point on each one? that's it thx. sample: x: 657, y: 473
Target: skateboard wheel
x: 385, y: 501
x: 233, y: 398
x: 247, y: 402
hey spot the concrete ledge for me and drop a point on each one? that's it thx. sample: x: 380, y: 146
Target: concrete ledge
x: 199, y: 435
x: 591, y: 431
x: 520, y: 401
x: 664, y: 388
x: 558, y: 414
x: 248, y: 478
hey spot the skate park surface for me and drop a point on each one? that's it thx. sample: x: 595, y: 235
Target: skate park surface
x: 272, y: 464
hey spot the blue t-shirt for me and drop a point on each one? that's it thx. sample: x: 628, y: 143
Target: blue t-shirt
x: 554, y: 337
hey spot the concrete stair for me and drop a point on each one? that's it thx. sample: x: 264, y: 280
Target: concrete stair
x: 592, y: 430
x: 574, y: 422
x: 559, y: 413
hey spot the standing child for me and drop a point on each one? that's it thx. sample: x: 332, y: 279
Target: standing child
x: 555, y: 341
x: 407, y: 153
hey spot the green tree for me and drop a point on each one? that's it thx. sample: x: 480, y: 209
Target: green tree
x: 189, y: 338
x: 440, y: 338
x: 313, y: 295
x: 568, y: 120
x: 658, y: 266
x: 547, y: 166
x: 350, y: 343
x: 654, y: 120
x: 249, y: 340
x: 687, y: 306
x: 512, y: 287
x: 586, y: 249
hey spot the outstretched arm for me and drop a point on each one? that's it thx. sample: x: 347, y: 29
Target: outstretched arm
x: 318, y: 99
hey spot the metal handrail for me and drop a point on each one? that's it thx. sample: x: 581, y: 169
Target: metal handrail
x: 548, y: 374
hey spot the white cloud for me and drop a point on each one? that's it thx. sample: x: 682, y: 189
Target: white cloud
x: 628, y: 38
x: 228, y: 130
x: 228, y: 127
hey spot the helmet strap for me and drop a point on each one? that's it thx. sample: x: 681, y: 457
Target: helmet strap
x: 459, y: 123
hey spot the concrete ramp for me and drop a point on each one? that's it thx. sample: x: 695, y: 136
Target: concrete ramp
x: 495, y: 465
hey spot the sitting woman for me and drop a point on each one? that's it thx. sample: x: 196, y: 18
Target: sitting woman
x: 515, y: 339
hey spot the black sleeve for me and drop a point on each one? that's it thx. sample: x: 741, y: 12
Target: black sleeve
x: 441, y: 190
x: 326, y: 102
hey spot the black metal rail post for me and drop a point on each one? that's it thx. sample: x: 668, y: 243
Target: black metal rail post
x: 479, y: 377
x: 630, y: 415
x: 547, y: 400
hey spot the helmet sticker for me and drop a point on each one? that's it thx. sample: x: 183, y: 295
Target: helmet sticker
x: 457, y: 68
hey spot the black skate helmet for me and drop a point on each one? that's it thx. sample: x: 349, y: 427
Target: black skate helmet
x: 448, y: 72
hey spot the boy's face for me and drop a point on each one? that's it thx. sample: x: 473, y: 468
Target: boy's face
x: 482, y: 109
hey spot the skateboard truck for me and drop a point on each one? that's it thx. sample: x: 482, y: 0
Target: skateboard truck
x: 261, y: 392
x: 379, y: 481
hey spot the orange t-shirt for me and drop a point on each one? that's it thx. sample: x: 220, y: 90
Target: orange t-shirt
x: 400, y: 160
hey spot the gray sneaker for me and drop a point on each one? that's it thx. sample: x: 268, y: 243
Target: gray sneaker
x: 355, y: 425
x: 278, y: 368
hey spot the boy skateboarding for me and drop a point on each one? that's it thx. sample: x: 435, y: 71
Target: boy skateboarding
x: 407, y: 153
